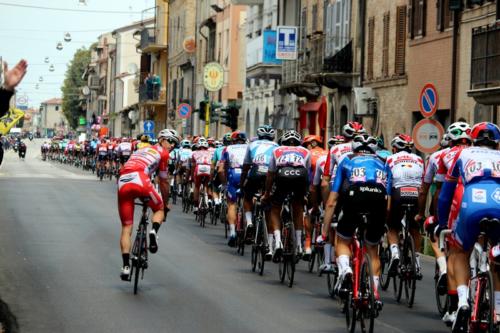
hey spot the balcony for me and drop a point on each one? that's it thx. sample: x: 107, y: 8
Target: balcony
x: 485, y: 65
x: 149, y: 43
x: 151, y: 95
x: 94, y: 82
x: 261, y: 57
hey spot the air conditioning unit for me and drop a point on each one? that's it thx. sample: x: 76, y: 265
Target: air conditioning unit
x: 365, y: 102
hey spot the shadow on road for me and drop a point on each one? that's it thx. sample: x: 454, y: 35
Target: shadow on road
x: 8, y: 322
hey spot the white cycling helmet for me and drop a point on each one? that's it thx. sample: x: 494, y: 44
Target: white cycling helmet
x: 170, y: 135
x: 185, y: 143
x: 364, y: 143
x: 458, y: 131
x: 352, y: 128
x: 266, y: 131
x: 291, y: 138
x: 445, y: 141
x: 202, y: 144
x: 402, y: 142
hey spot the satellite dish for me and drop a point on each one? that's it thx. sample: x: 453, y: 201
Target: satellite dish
x: 133, y: 116
x: 132, y: 68
x: 86, y: 91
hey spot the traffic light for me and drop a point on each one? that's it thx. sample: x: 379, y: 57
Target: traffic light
x: 234, y: 111
x: 203, y: 110
x: 225, y: 117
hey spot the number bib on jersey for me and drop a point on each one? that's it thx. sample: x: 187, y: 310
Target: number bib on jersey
x: 203, y: 169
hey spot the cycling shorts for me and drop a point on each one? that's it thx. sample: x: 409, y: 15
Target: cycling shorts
x: 290, y: 180
x: 201, y: 174
x: 369, y: 198
x: 253, y: 185
x: 233, y: 184
x: 171, y: 168
x: 480, y: 200
x: 135, y: 185
x: 405, y: 195
x: 102, y: 158
x: 124, y: 158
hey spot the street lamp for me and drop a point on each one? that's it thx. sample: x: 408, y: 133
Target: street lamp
x: 59, y: 46
x: 46, y: 60
x: 67, y: 37
x: 40, y: 79
x: 52, y: 68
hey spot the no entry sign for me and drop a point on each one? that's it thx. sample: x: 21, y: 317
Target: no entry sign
x: 428, y: 100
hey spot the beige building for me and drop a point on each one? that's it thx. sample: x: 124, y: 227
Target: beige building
x: 53, y: 121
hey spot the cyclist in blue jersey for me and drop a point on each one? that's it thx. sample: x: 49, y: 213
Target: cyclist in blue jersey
x: 253, y: 177
x: 478, y: 170
x: 230, y: 173
x: 369, y: 184
x: 226, y: 141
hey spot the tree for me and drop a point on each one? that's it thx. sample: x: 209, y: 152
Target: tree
x: 72, y: 84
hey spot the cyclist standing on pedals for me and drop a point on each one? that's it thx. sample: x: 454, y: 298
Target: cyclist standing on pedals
x: 216, y: 158
x: 253, y: 177
x: 135, y: 182
x: 200, y: 167
x: 311, y: 143
x: 476, y: 170
x: 368, y: 185
x: 335, y: 156
x: 230, y: 173
x: 406, y: 170
x: 459, y: 137
x: 288, y: 175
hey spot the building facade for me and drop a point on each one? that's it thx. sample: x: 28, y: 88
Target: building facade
x: 53, y: 121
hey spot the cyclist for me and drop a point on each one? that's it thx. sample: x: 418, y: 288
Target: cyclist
x: 382, y: 152
x: 478, y: 170
x: 200, y: 170
x: 144, y: 142
x: 185, y: 155
x: 406, y: 170
x: 230, y: 173
x: 255, y: 166
x: 101, y: 154
x: 124, y: 151
x: 217, y: 156
x: 135, y: 182
x: 311, y: 143
x: 288, y: 175
x: 368, y: 184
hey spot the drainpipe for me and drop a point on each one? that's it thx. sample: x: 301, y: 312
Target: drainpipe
x: 362, y: 17
x: 454, y: 60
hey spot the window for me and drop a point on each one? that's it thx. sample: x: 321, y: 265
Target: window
x: 444, y: 15
x: 337, y: 27
x: 498, y: 10
x: 371, y: 44
x: 315, y: 18
x: 400, y: 52
x: 385, y: 45
x: 303, y: 30
x: 57, y: 107
x: 417, y: 12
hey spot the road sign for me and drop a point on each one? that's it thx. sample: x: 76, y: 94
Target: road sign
x: 149, y: 126
x: 427, y: 135
x: 428, y: 100
x: 286, y: 47
x: 184, y: 110
x: 213, y: 76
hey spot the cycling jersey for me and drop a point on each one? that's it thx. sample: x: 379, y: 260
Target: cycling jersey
x: 433, y: 165
x: 316, y: 154
x: 320, y: 169
x: 383, y: 154
x: 258, y: 155
x: 336, y: 154
x: 406, y: 169
x: 185, y: 155
x: 142, y: 145
x: 148, y: 160
x: 125, y: 148
x: 233, y: 158
x: 445, y: 162
x: 286, y: 156
x: 201, y: 163
x: 102, y: 149
x: 478, y: 169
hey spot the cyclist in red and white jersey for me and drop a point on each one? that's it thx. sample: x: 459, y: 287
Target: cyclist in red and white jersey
x: 407, y: 170
x: 124, y: 150
x: 135, y: 182
x: 200, y: 166
x: 101, y: 153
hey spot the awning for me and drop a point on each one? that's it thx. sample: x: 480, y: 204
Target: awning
x: 313, y: 111
x: 310, y: 107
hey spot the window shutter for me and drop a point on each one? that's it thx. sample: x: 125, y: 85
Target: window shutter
x: 328, y: 30
x: 371, y: 42
x: 338, y: 25
x: 400, y: 54
x: 385, y: 46
x: 346, y: 24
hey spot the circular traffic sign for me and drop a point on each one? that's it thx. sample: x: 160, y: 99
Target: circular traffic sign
x: 184, y: 110
x: 427, y: 135
x: 213, y: 76
x: 428, y: 100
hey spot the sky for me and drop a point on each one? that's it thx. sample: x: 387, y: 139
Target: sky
x: 33, y: 34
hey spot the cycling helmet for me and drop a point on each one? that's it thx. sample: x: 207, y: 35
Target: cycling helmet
x: 185, y: 144
x: 226, y: 140
x: 266, y: 132
x: 217, y: 144
x: 364, y: 143
x: 211, y: 142
x: 170, y: 135
x: 380, y: 142
x: 202, y: 144
x: 291, y: 138
x: 459, y: 131
x: 352, y: 128
x: 445, y: 141
x: 144, y: 138
x: 485, y: 134
x: 312, y: 138
x: 402, y: 142
x: 238, y: 136
x: 337, y: 139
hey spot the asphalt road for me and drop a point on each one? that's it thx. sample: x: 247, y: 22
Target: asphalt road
x: 60, y: 261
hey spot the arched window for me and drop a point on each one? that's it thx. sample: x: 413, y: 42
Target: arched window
x: 247, y: 122
x: 343, y: 115
x: 266, y: 116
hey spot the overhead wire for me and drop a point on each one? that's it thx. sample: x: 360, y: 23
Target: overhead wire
x: 69, y: 9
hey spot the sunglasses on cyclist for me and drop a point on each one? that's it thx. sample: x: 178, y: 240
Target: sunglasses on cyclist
x: 459, y: 131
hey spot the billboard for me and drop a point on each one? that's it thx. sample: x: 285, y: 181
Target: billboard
x: 269, y: 56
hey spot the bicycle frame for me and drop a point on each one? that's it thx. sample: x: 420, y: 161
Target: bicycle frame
x: 358, y: 253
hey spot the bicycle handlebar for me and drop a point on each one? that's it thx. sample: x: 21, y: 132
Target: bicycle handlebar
x: 442, y: 236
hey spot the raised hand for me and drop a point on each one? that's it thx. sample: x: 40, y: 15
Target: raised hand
x: 14, y: 76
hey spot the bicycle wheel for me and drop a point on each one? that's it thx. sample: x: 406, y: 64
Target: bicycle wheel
x: 367, y: 311
x: 320, y: 258
x: 256, y: 245
x: 291, y: 255
x: 331, y: 281
x: 312, y: 260
x: 409, y: 271
x: 138, y: 262
x: 385, y: 258
x: 485, y: 306
x: 441, y: 300
x: 350, y: 312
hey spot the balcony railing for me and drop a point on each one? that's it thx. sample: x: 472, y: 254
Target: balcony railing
x: 149, y: 93
x: 147, y: 37
x: 485, y: 60
x: 340, y: 62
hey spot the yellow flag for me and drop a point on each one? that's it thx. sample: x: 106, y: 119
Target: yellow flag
x: 10, y: 120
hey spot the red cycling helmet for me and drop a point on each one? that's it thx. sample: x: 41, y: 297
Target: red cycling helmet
x: 352, y: 128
